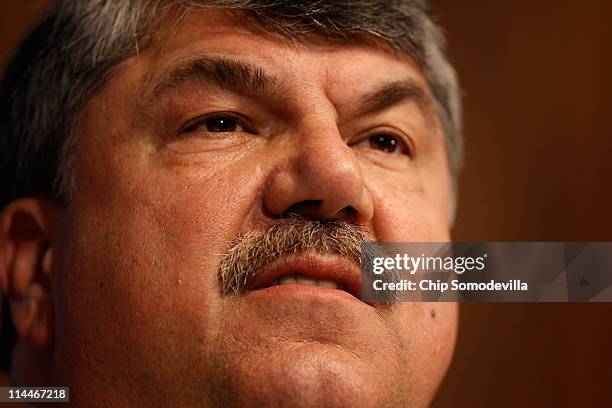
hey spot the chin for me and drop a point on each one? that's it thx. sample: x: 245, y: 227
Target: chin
x: 283, y: 363
x: 319, y: 375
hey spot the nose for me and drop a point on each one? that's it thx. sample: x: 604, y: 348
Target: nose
x: 320, y: 179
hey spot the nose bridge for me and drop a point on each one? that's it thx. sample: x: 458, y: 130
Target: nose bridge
x: 323, y: 152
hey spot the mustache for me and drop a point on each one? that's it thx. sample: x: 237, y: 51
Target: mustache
x: 249, y: 255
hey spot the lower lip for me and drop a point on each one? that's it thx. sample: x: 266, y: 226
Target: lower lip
x: 295, y: 290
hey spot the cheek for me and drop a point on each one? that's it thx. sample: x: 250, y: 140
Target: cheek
x: 148, y: 251
x: 428, y: 333
x: 408, y: 213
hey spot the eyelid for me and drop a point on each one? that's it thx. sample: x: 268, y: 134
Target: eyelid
x: 242, y: 120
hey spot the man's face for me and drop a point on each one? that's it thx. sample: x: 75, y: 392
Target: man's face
x: 217, y: 130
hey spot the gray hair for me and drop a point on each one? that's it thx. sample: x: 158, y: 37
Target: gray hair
x: 73, y: 51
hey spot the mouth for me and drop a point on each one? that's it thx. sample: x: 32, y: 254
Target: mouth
x: 312, y: 271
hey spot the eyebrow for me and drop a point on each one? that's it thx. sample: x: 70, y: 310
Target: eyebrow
x: 393, y: 94
x: 233, y: 75
x: 244, y: 78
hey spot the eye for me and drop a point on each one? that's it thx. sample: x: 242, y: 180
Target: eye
x: 384, y: 142
x: 221, y: 124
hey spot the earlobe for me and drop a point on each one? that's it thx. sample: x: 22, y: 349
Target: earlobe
x: 26, y: 230
x: 33, y: 316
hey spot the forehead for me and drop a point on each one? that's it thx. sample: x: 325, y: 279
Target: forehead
x: 338, y: 66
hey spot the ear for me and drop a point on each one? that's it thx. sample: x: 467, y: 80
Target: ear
x: 27, y: 228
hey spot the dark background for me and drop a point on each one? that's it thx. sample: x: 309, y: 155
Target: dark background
x: 538, y: 131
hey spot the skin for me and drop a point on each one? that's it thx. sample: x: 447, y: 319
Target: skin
x: 117, y: 294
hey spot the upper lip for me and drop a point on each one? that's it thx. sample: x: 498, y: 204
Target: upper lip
x: 341, y: 270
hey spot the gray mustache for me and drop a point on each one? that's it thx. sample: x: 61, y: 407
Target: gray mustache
x: 249, y: 255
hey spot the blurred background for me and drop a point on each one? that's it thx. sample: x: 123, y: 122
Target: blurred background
x: 538, y: 130
x: 537, y: 83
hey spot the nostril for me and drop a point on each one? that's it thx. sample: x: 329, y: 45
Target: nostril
x: 305, y: 208
x: 348, y: 214
x: 313, y: 210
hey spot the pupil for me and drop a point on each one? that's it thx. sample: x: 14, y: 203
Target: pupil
x: 220, y: 125
x: 385, y: 143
